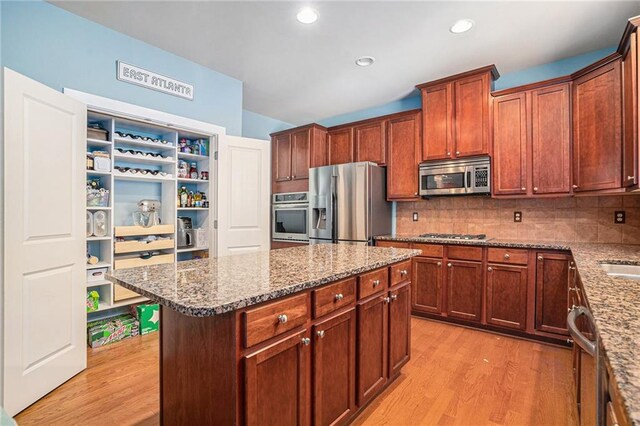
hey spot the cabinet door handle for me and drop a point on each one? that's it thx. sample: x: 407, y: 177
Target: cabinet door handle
x: 403, y: 272
x: 523, y: 188
x: 306, y: 341
x: 339, y: 297
x: 535, y: 188
x: 439, y: 263
x: 457, y: 152
x: 540, y: 258
x: 572, y: 268
x: 394, y: 297
x: 448, y: 154
x: 282, y: 318
x: 574, y: 186
x: 489, y: 269
x: 288, y: 177
x: 320, y: 333
x: 631, y: 177
x: 415, y: 193
x: 376, y: 283
x: 506, y: 256
x: 386, y: 300
x: 293, y: 176
x: 449, y: 265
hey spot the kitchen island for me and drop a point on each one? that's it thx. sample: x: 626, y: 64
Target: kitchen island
x: 278, y: 337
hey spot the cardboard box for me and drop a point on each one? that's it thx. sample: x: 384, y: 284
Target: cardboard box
x: 148, y: 316
x: 93, y: 301
x: 109, y: 330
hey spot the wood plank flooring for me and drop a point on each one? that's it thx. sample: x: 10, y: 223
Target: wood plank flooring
x: 456, y: 376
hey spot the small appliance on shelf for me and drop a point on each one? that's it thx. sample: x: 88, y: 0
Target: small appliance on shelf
x: 147, y: 213
x: 185, y: 232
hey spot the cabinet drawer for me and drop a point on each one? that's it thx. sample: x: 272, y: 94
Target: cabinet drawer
x: 507, y: 255
x: 132, y: 262
x: 429, y: 250
x: 121, y: 293
x: 275, y: 318
x: 133, y: 246
x: 400, y: 272
x: 372, y: 282
x: 464, y: 253
x: 393, y: 244
x: 334, y: 296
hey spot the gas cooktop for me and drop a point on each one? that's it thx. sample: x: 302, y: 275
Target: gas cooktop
x: 470, y: 237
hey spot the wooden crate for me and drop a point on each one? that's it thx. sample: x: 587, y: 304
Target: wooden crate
x: 132, y: 262
x: 134, y: 246
x: 132, y: 231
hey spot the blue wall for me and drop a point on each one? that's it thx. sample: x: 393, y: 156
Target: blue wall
x: 61, y: 49
x: 513, y: 79
x: 260, y: 126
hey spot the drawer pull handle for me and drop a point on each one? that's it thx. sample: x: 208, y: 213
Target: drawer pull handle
x: 282, y: 318
x: 403, y: 272
x: 439, y: 263
x: 339, y: 297
x: 306, y: 341
x: 449, y: 265
x: 386, y: 300
x: 320, y: 333
x: 394, y: 297
x: 376, y: 283
x: 506, y: 256
x: 540, y: 258
x: 489, y: 269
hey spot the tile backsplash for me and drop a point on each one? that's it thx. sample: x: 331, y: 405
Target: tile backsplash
x: 577, y: 219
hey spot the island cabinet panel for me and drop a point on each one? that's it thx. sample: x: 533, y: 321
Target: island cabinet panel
x: 399, y: 328
x: 340, y: 145
x: 334, y: 369
x: 464, y: 290
x: 437, y: 107
x: 427, y: 285
x: 372, y: 349
x: 275, y: 318
x: 404, y: 148
x: 282, y: 158
x: 552, y: 292
x: 370, y: 142
x: 551, y: 139
x: 510, y: 137
x: 597, y: 129
x: 506, y: 295
x: 276, y: 381
x: 471, y: 103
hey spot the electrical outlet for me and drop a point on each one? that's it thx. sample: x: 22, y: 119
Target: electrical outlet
x: 415, y: 216
x: 619, y: 217
x: 517, y: 216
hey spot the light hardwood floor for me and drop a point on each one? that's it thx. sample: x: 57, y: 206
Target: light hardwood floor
x: 456, y: 376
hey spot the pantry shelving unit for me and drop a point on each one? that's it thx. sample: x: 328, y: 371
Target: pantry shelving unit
x: 125, y: 243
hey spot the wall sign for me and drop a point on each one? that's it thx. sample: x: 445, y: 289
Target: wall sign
x: 151, y: 80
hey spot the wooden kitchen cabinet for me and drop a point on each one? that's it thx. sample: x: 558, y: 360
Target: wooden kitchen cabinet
x: 370, y: 142
x: 456, y: 115
x: 427, y: 285
x: 399, y: 327
x: 276, y: 379
x: 552, y: 292
x: 630, y: 107
x: 334, y: 369
x: 532, y: 140
x: 506, y: 295
x: 340, y: 145
x: 373, y: 340
x: 293, y: 153
x: 404, y: 153
x: 464, y: 290
x: 597, y: 126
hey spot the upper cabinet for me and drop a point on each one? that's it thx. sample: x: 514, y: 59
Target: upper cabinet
x: 404, y: 147
x: 597, y: 126
x: 370, y: 142
x: 340, y: 145
x: 532, y: 140
x: 629, y: 51
x: 293, y: 152
x: 456, y: 115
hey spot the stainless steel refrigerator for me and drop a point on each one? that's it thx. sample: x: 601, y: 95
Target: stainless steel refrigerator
x: 347, y: 203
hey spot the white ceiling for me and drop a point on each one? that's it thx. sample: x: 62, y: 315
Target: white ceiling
x: 303, y: 73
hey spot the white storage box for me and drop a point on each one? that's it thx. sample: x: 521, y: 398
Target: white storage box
x: 96, y: 274
x: 101, y: 164
x: 200, y: 238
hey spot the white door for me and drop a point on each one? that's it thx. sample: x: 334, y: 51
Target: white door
x: 244, y: 179
x: 44, y: 267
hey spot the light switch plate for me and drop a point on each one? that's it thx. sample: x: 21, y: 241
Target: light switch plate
x: 415, y: 216
x: 619, y: 217
x: 517, y: 216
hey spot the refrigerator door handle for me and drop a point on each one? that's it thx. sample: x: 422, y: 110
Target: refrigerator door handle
x: 334, y: 209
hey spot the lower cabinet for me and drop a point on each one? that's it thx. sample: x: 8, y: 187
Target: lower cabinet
x: 427, y: 285
x: 334, y: 369
x: 276, y: 383
x: 373, y: 339
x: 399, y: 328
x: 464, y: 290
x: 506, y: 296
x: 552, y: 292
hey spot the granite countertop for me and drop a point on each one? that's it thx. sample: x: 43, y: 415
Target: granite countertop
x: 208, y: 287
x: 613, y: 301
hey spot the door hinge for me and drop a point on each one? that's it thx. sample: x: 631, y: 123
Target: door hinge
x: 215, y: 155
x: 215, y: 224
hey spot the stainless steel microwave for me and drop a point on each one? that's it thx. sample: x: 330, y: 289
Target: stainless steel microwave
x: 456, y: 177
x: 290, y: 216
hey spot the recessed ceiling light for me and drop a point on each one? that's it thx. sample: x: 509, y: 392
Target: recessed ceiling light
x: 365, y: 61
x: 461, y: 26
x: 307, y: 15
